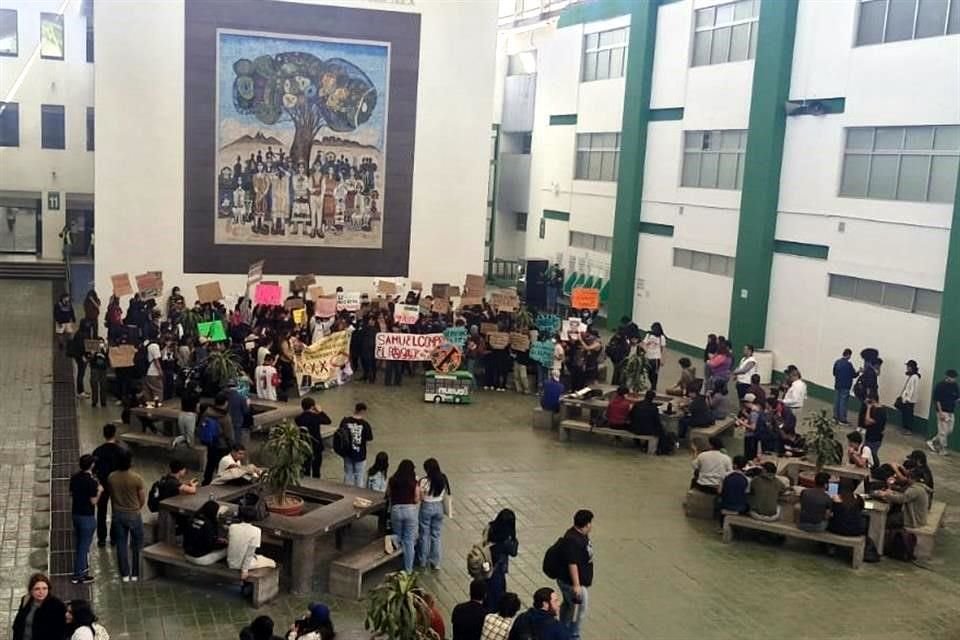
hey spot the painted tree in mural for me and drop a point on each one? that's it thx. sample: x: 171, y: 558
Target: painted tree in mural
x: 310, y: 92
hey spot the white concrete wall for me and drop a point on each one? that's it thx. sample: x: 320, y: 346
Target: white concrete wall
x: 30, y: 81
x: 453, y: 103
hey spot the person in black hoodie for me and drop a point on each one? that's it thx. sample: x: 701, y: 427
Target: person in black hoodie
x: 312, y: 418
x: 65, y: 319
x: 41, y: 612
x: 540, y: 621
x: 502, y: 537
x: 260, y: 629
x: 202, y: 542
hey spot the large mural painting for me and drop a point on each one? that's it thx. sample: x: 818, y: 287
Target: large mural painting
x: 301, y: 137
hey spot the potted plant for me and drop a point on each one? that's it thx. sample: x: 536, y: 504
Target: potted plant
x: 635, y: 372
x: 397, y: 611
x: 523, y: 319
x: 823, y: 443
x: 288, y: 447
x: 221, y: 367
x: 190, y: 319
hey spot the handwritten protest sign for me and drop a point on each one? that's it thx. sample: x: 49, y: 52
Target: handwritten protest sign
x: 213, y: 331
x: 293, y: 303
x: 324, y: 359
x: 325, y: 307
x: 505, y: 301
x: 498, y: 340
x: 122, y: 357
x: 300, y: 283
x: 548, y: 324
x: 149, y: 285
x: 299, y: 316
x: 255, y: 273
x: 386, y: 287
x: 453, y: 291
x: 439, y: 290
x: 542, y: 352
x: 456, y: 336
x: 121, y: 285
x: 570, y: 329
x: 581, y: 298
x: 486, y: 328
x: 406, y: 313
x: 475, y: 284
x: 406, y: 346
x: 348, y: 301
x: 441, y: 306
x: 314, y: 292
x: 267, y: 294
x: 92, y: 346
x: 519, y: 342
x: 470, y: 301
x: 416, y: 285
x: 209, y: 292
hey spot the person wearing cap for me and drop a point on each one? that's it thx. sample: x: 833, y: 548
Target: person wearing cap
x: 908, y: 395
x: 316, y: 626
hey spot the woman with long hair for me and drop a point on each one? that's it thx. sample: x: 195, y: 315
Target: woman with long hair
x: 654, y: 344
x: 403, y: 492
x: 434, y: 486
x: 907, y: 399
x: 501, y: 535
x: 41, y: 614
x: 82, y: 623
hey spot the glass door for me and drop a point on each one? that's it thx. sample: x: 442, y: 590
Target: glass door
x: 19, y: 228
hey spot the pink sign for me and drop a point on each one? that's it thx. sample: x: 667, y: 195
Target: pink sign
x: 325, y: 307
x: 268, y: 294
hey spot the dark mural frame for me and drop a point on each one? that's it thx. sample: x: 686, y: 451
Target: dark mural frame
x: 401, y: 30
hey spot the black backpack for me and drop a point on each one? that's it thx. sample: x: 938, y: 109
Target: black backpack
x: 553, y: 565
x: 165, y: 487
x: 522, y: 629
x: 901, y: 545
x: 341, y: 441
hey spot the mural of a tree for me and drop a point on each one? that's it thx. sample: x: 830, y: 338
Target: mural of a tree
x: 310, y: 92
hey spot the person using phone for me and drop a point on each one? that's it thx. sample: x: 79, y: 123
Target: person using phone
x: 815, y: 503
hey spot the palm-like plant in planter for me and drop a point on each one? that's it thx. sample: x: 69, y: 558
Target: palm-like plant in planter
x: 635, y: 371
x: 288, y: 447
x: 190, y: 319
x: 397, y: 611
x: 523, y: 319
x: 823, y: 443
x: 221, y: 367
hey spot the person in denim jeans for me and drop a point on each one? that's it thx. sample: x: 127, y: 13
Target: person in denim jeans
x: 434, y: 487
x: 577, y: 556
x: 843, y: 376
x: 403, y: 493
x: 85, y: 492
x: 127, y: 497
x: 358, y: 432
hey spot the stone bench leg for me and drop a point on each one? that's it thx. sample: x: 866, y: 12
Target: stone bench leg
x: 727, y: 531
x: 345, y: 582
x: 266, y: 589
x: 149, y: 569
x: 857, y: 554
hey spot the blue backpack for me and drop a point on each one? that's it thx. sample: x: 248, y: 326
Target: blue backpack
x: 209, y: 432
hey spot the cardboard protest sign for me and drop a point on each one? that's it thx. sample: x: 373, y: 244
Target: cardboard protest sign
x: 498, y: 340
x: 213, y: 331
x: 406, y: 346
x: 209, y: 292
x: 519, y: 342
x: 406, y: 313
x: 581, y: 298
x: 441, y: 306
x: 470, y: 301
x: 348, y: 301
x: 453, y: 291
x: 505, y: 301
x: 149, y: 285
x: 122, y: 357
x: 386, y: 287
x: 121, y: 285
x: 486, y: 328
x: 300, y: 283
x: 542, y: 351
x: 416, y: 285
x: 325, y: 307
x: 548, y: 323
x: 299, y: 315
x: 570, y: 329
x: 91, y: 346
x: 475, y: 284
x: 324, y: 359
x: 268, y: 294
x: 255, y: 273
x: 439, y: 290
x: 314, y: 292
x: 456, y: 336
x: 293, y: 303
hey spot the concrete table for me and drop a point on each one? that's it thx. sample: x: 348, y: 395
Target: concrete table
x: 791, y: 468
x: 266, y: 413
x: 332, y: 511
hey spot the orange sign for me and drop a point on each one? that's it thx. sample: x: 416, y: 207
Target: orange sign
x: 581, y: 298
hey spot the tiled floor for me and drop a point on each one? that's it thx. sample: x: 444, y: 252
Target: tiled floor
x: 659, y: 575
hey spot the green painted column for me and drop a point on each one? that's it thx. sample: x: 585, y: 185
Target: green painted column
x: 948, y: 342
x: 761, y: 177
x: 633, y: 151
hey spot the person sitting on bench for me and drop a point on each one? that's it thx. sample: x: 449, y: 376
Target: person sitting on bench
x: 910, y: 506
x: 859, y: 454
x: 846, y: 512
x: 815, y: 504
x: 733, y: 491
x: 618, y: 409
x: 243, y: 540
x: 688, y: 375
x: 711, y: 467
x: 552, y: 390
x: 698, y: 413
x: 202, y: 543
x: 645, y: 416
x: 232, y: 469
x: 765, y: 490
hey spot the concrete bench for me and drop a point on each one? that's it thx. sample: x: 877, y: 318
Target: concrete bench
x: 156, y: 557
x: 698, y: 504
x: 543, y: 419
x: 856, y: 543
x: 159, y: 442
x: 347, y: 571
x: 566, y: 426
x: 702, y: 435
x: 927, y: 535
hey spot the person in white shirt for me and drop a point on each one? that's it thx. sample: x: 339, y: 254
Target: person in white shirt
x: 796, y: 393
x: 908, y: 395
x: 262, y: 353
x: 653, y: 345
x: 558, y: 356
x: 232, y: 466
x: 859, y: 454
x: 153, y: 381
x: 746, y: 368
x: 267, y: 378
x: 711, y: 467
x: 243, y: 540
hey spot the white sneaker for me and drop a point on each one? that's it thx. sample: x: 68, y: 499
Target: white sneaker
x: 125, y: 579
x: 932, y: 446
x: 134, y: 578
x: 388, y: 547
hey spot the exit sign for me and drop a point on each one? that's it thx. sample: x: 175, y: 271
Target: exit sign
x: 53, y: 200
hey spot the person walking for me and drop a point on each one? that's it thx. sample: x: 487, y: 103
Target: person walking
x: 41, y: 614
x: 356, y: 432
x: 945, y: 396
x: 106, y: 461
x: 310, y: 421
x: 403, y: 492
x: 907, y: 399
x: 434, y: 489
x: 85, y: 492
x: 99, y: 366
x: 843, y: 376
x: 577, y: 554
x: 127, y: 495
x: 215, y: 431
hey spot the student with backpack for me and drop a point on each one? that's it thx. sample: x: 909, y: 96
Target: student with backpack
x: 501, y: 536
x: 215, y: 432
x: 350, y: 443
x: 171, y: 484
x: 570, y: 562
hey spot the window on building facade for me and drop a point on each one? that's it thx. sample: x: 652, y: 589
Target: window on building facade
x: 9, y: 124
x: 522, y: 63
x: 521, y: 220
x: 706, y: 262
x: 714, y: 159
x: 726, y: 33
x: 52, y: 134
x: 598, y: 156
x: 51, y: 36
x: 919, y: 164
x: 90, y: 128
x: 580, y: 240
x: 886, y: 294
x: 9, y: 42
x: 894, y: 20
x: 604, y: 54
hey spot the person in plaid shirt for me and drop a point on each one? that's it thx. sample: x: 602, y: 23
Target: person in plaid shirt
x: 497, y: 626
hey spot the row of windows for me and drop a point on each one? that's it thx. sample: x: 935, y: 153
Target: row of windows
x: 714, y: 159
x: 52, y: 43
x: 726, y: 33
x: 886, y: 294
x: 52, y: 126
x: 579, y: 240
x: 894, y: 20
x: 598, y: 156
x: 706, y: 262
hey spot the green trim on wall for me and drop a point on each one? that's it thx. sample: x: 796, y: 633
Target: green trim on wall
x: 551, y: 214
x: 656, y: 229
x: 662, y: 115
x: 948, y: 346
x: 584, y: 12
x: 566, y: 118
x: 802, y: 249
x: 761, y: 178
x: 633, y: 151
